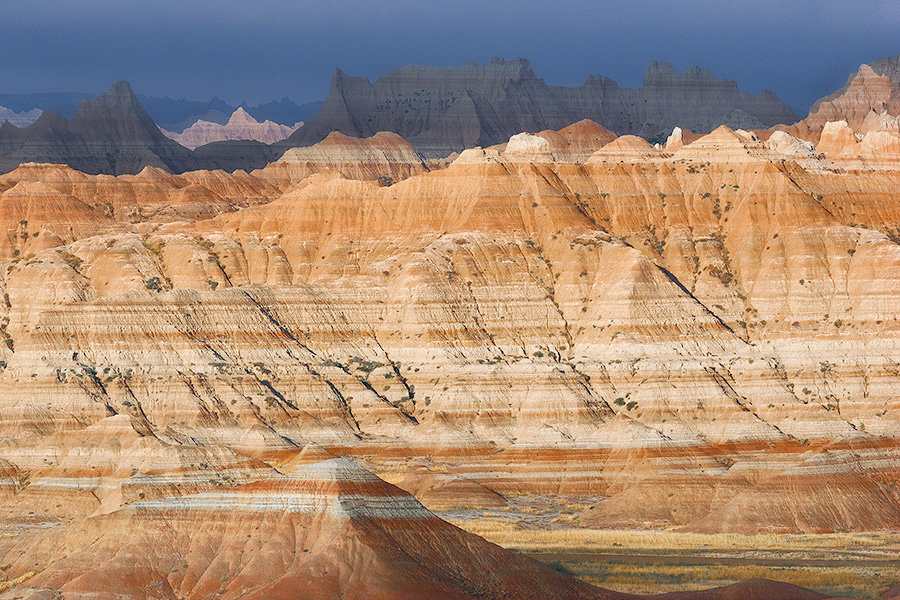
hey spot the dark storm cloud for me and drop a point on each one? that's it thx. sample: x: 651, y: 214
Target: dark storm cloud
x: 261, y: 50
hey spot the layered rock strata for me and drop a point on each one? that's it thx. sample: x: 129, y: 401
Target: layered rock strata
x: 385, y: 157
x: 112, y: 134
x: 20, y: 119
x: 868, y: 103
x: 440, y: 110
x: 327, y: 530
x: 240, y: 126
x: 682, y: 335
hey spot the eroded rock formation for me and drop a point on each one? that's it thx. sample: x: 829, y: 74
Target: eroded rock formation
x: 440, y: 110
x: 240, y: 126
x: 325, y: 530
x: 111, y: 134
x: 682, y: 335
x: 868, y: 103
x: 385, y: 157
x: 22, y: 119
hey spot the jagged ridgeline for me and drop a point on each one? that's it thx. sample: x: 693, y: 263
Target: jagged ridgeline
x: 210, y: 381
x: 114, y: 135
x: 439, y: 110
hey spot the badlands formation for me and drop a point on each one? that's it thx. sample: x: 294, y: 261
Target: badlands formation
x: 440, y: 110
x: 112, y: 134
x: 701, y: 336
x: 384, y: 157
x: 21, y: 119
x: 701, y: 331
x: 866, y: 102
x: 325, y: 530
x: 240, y: 126
x: 329, y: 529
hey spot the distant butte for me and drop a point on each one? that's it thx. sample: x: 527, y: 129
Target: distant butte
x: 866, y: 103
x: 240, y: 126
x: 112, y: 134
x: 440, y: 110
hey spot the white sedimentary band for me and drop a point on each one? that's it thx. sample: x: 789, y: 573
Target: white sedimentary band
x: 346, y: 506
x: 199, y: 477
x: 78, y: 483
x: 335, y: 469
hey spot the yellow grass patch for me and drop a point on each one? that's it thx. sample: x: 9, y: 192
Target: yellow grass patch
x: 5, y: 585
x: 650, y: 564
x: 615, y: 541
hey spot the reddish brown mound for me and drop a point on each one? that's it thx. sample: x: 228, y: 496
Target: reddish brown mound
x: 578, y: 141
x: 834, y: 487
x: 385, y: 157
x: 329, y: 530
x: 444, y: 491
x: 151, y: 195
x: 626, y: 148
x: 36, y: 216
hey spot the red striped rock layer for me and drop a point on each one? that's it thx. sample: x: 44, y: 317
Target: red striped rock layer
x: 857, y: 126
x: 151, y: 195
x: 330, y: 529
x: 47, y: 206
x: 722, y: 294
x: 747, y: 487
x: 116, y: 461
x: 44, y: 206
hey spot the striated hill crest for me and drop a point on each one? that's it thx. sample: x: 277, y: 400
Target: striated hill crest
x: 19, y: 119
x: 867, y: 102
x: 384, y: 156
x: 240, y: 126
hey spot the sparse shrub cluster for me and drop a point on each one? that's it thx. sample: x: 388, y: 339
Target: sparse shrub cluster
x: 71, y: 260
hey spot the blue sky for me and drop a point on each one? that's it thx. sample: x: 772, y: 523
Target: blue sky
x: 263, y: 50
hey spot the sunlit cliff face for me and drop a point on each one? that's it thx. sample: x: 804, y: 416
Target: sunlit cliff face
x: 716, y: 323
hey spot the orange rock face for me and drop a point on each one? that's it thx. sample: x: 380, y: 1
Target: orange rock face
x: 326, y: 530
x: 703, y: 337
x: 384, y: 156
x: 857, y: 126
x: 866, y: 92
x: 578, y: 141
